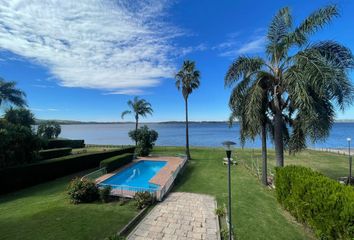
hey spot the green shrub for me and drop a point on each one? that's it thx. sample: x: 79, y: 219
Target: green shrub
x: 115, y: 162
x: 115, y: 237
x: 49, y: 129
x: 145, y: 139
x: 61, y: 143
x: 220, y: 211
x: 314, y: 199
x: 144, y: 199
x: 54, y: 153
x: 18, y: 144
x: 105, y: 193
x: 224, y: 232
x: 15, y: 178
x: 82, y: 191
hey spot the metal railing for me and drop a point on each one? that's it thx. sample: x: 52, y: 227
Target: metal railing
x: 166, y: 188
x: 128, y: 191
x: 95, y: 174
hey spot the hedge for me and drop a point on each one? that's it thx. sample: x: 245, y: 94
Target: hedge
x: 61, y: 143
x: 15, y: 178
x: 316, y: 200
x: 115, y: 162
x: 54, y: 153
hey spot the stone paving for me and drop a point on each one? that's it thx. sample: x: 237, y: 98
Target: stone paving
x: 180, y: 216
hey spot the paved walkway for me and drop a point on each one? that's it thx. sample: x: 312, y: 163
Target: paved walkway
x: 180, y: 216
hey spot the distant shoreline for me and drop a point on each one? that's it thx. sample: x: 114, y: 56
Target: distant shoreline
x: 73, y: 122
x: 69, y: 122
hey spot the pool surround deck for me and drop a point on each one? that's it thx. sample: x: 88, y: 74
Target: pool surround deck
x: 160, y: 178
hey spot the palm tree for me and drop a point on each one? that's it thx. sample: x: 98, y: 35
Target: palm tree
x: 138, y: 107
x: 9, y: 93
x: 187, y: 79
x: 251, y: 113
x: 306, y: 80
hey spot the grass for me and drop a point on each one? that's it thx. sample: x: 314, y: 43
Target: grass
x: 44, y: 212
x: 256, y: 213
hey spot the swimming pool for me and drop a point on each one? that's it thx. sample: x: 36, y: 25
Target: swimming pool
x: 136, y: 176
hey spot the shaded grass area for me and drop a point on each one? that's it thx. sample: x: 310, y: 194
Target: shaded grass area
x: 256, y: 213
x: 330, y: 164
x: 44, y: 212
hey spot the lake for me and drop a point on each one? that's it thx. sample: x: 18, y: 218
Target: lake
x: 201, y: 134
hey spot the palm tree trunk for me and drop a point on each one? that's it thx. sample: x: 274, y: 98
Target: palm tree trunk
x: 187, y: 133
x: 264, y: 155
x: 278, y: 139
x: 136, y: 129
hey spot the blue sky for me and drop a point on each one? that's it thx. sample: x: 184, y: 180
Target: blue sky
x: 83, y: 60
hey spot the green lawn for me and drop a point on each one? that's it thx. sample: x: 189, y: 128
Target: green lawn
x: 44, y: 212
x: 256, y: 213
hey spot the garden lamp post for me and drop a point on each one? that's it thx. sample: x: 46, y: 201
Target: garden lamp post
x: 350, y: 162
x: 228, y: 147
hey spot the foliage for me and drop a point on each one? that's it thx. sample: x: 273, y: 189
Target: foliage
x: 144, y: 199
x: 54, y: 153
x: 224, y: 232
x: 220, y: 211
x: 116, y: 162
x: 82, y: 191
x: 19, y: 116
x: 302, y: 82
x: 138, y: 107
x: 28, y: 175
x: 49, y: 129
x: 322, y: 203
x: 10, y: 94
x: 187, y: 80
x: 105, y: 193
x: 145, y: 139
x: 62, y: 143
x: 115, y: 237
x: 18, y: 144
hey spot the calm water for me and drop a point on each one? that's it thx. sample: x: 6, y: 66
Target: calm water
x: 137, y: 175
x: 173, y: 134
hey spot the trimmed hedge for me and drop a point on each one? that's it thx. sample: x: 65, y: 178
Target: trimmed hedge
x: 54, y: 153
x: 15, y: 178
x: 115, y: 162
x: 62, y: 143
x: 320, y: 202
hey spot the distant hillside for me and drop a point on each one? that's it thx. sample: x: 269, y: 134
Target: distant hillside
x: 68, y: 122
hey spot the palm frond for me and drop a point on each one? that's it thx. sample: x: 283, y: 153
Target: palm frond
x: 242, y: 68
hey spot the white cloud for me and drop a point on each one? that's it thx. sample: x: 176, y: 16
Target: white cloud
x: 127, y: 92
x: 108, y: 45
x: 254, y: 46
x: 44, y: 109
x: 233, y: 46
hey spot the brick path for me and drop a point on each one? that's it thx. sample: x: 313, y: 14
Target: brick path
x: 180, y: 216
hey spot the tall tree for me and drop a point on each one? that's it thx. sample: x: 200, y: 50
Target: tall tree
x: 249, y: 104
x: 187, y: 79
x: 10, y: 94
x: 307, y: 80
x: 20, y: 116
x: 138, y: 107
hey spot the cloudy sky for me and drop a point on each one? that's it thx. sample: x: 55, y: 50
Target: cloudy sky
x: 84, y: 59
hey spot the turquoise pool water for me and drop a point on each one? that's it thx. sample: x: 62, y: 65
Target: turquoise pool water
x: 136, y: 175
